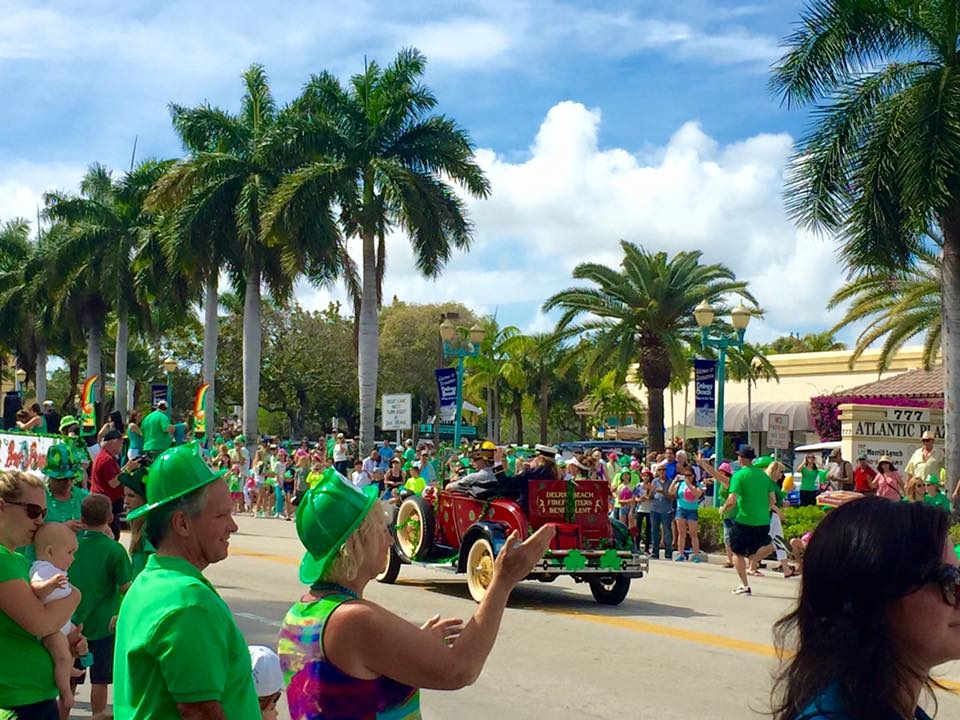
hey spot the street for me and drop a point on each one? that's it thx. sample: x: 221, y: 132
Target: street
x: 681, y: 646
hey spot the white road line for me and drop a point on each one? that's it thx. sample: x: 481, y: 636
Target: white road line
x: 259, y: 619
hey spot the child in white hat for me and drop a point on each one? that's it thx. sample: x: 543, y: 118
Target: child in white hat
x: 267, y: 679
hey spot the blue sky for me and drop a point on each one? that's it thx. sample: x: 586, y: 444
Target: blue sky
x: 643, y: 120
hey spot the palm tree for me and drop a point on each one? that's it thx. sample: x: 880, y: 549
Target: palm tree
x: 492, y: 370
x: 749, y: 363
x: 644, y: 312
x: 216, y: 199
x: 609, y: 399
x: 391, y: 163
x: 548, y: 361
x: 897, y: 305
x: 880, y: 167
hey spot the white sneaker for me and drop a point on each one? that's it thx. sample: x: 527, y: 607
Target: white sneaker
x: 742, y: 590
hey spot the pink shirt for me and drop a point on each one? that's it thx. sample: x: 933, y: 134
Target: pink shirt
x: 888, y: 485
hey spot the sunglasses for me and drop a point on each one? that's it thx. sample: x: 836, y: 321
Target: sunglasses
x: 948, y: 578
x: 32, y: 510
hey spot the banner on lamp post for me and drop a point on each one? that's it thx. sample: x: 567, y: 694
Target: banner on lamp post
x: 705, y: 406
x: 447, y: 387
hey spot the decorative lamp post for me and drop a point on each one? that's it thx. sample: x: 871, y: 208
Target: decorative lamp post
x: 20, y: 376
x: 170, y: 367
x: 448, y: 334
x: 740, y: 318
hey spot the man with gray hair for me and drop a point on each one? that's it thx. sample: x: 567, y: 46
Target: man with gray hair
x: 179, y: 652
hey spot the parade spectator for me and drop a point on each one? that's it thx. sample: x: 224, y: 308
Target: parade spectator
x: 344, y: 656
x: 179, y: 652
x: 27, y: 686
x: 624, y: 497
x: 643, y: 497
x: 721, y: 476
x: 689, y: 493
x: 751, y: 495
x: 76, y: 448
x: 55, y: 546
x: 340, y: 459
x: 387, y: 453
x: 670, y: 462
x: 864, y: 477
x: 105, y: 473
x: 28, y: 420
x: 134, y: 435
x: 935, y: 495
x: 114, y: 422
x: 926, y: 460
x: 157, y: 430
x: 360, y: 478
x: 869, y: 627
x: 809, y: 480
x: 134, y: 496
x: 839, y: 471
x: 101, y: 572
x: 888, y: 480
x: 409, y: 454
x: 51, y: 416
x: 661, y: 511
x: 776, y: 471
x: 267, y: 679
x: 64, y: 496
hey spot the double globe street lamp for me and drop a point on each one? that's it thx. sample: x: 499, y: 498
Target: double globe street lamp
x: 449, y: 334
x: 20, y: 375
x: 739, y: 317
x: 170, y: 367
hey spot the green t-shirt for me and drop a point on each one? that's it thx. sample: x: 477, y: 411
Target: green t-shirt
x: 939, y: 500
x: 723, y: 492
x: 409, y: 454
x: 177, y: 642
x: 26, y: 670
x: 331, y: 443
x: 100, y: 568
x: 809, y: 479
x: 156, y: 436
x: 752, y: 488
x: 63, y: 510
x: 138, y: 558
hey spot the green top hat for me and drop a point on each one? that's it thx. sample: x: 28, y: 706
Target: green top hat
x: 327, y: 516
x: 176, y: 472
x: 66, y: 421
x: 60, y: 464
x: 763, y: 462
x: 134, y: 480
x: 933, y: 480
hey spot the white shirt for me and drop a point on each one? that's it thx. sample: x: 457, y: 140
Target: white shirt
x: 340, y: 452
x: 360, y: 478
x: 370, y: 466
x: 43, y: 570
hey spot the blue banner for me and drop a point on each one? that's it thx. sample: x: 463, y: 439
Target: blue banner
x: 447, y: 387
x: 705, y: 377
x: 158, y: 392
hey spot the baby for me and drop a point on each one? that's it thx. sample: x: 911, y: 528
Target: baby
x: 54, y: 546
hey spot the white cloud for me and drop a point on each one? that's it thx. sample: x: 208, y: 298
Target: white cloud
x: 22, y: 185
x: 459, y: 42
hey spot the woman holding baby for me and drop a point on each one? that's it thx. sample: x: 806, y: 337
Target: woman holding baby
x: 28, y: 688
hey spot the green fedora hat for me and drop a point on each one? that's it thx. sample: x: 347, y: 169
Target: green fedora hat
x: 933, y: 480
x: 327, y: 516
x: 135, y: 480
x: 60, y: 464
x: 175, y: 472
x: 763, y: 462
x: 66, y: 421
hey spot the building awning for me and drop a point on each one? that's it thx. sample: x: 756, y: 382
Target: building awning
x: 735, y: 416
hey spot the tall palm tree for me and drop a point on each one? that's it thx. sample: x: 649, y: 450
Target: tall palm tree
x: 750, y: 364
x: 609, y: 399
x: 880, y: 167
x: 644, y: 312
x: 215, y: 200
x: 375, y: 143
x: 493, y: 369
x: 897, y: 305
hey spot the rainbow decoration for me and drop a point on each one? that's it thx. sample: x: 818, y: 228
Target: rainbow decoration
x: 88, y: 401
x: 199, y: 414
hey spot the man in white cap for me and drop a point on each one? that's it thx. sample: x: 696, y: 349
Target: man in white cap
x: 926, y: 460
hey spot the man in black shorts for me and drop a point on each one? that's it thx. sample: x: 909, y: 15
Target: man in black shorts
x: 752, y: 491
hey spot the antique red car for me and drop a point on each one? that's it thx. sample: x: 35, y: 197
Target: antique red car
x: 463, y: 534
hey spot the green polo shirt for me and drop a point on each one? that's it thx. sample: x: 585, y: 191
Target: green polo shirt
x: 138, y: 558
x: 939, y: 500
x: 26, y: 670
x: 752, y: 488
x: 63, y: 510
x: 156, y: 436
x: 100, y: 568
x: 177, y: 642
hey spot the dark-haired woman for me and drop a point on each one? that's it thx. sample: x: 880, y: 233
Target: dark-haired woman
x: 878, y: 610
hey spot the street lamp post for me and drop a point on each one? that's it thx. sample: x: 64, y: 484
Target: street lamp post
x: 20, y: 376
x: 170, y: 367
x: 448, y: 333
x: 740, y: 318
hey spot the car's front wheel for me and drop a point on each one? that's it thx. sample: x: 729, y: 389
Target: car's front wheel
x: 415, y: 528
x: 391, y: 568
x: 610, y: 591
x: 479, y: 568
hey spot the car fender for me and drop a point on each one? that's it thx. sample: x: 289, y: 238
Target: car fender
x: 496, y: 533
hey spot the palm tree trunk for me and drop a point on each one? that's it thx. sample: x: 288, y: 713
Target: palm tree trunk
x: 655, y: 419
x: 120, y: 358
x: 94, y: 350
x: 496, y: 413
x: 210, y: 335
x: 489, y: 395
x: 544, y: 408
x: 69, y: 403
x: 518, y: 420
x: 950, y: 339
x: 252, y: 337
x: 368, y: 344
x: 40, y: 382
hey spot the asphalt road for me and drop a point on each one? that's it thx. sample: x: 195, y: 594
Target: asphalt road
x: 680, y: 646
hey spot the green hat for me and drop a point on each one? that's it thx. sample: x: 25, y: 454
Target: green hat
x: 60, y: 464
x: 66, y: 421
x: 174, y: 473
x: 240, y: 439
x: 764, y: 461
x: 327, y: 516
x: 933, y: 480
x: 135, y: 481
x: 624, y: 461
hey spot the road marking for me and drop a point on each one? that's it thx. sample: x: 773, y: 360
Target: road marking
x: 692, y: 636
x: 259, y: 619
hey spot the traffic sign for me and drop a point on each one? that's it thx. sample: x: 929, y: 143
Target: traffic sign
x: 446, y: 429
x: 397, y: 411
x: 778, y: 434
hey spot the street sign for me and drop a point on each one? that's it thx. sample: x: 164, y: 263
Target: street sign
x: 397, y: 411
x: 778, y: 434
x: 446, y: 429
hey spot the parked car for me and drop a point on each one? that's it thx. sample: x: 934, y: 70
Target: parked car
x: 463, y: 534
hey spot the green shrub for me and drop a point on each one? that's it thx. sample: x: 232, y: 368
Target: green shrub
x: 954, y: 534
x: 710, y: 529
x: 799, y: 520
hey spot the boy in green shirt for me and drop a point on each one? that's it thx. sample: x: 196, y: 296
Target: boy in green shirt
x: 101, y: 572
x: 934, y: 496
